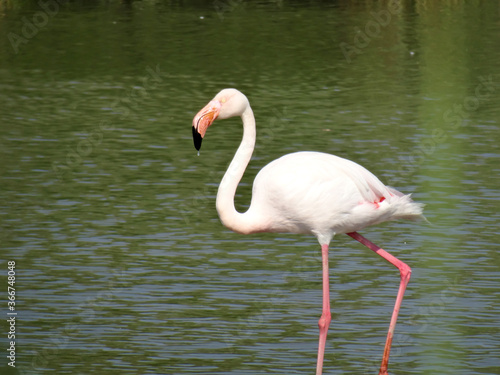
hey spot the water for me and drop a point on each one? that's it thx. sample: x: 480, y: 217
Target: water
x: 122, y: 265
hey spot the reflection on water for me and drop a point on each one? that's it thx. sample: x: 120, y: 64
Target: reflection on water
x: 122, y: 263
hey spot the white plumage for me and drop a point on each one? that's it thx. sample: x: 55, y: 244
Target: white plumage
x: 323, y: 194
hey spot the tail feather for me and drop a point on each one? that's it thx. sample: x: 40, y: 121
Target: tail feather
x: 405, y: 208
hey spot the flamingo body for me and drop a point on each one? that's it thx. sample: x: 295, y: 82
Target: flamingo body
x: 322, y: 194
x: 306, y: 192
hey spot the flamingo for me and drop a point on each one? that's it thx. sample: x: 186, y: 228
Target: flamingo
x: 307, y: 192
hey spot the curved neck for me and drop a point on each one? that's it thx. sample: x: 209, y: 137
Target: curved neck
x: 232, y: 219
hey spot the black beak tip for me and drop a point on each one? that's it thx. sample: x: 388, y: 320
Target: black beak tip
x: 197, y: 139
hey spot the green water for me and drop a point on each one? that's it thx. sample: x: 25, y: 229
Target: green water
x: 122, y: 265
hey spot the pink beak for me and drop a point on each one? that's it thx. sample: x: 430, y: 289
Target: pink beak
x: 203, y: 120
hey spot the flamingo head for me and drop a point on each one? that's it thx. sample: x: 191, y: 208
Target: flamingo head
x: 227, y: 103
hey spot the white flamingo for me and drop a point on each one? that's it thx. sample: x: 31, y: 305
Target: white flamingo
x: 307, y: 192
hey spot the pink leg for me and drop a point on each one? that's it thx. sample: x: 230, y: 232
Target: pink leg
x: 405, y: 272
x: 326, y: 317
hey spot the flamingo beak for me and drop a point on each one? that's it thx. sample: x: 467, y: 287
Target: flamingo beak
x: 203, y: 120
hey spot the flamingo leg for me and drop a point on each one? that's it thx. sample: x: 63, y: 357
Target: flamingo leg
x: 326, y: 316
x: 405, y: 272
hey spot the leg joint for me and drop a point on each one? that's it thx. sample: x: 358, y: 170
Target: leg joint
x: 324, y: 321
x: 405, y: 271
